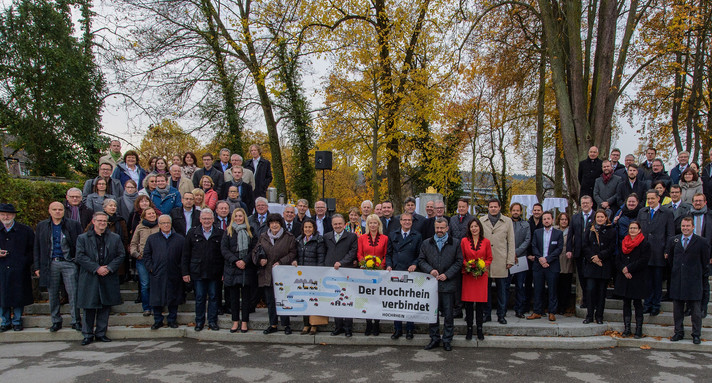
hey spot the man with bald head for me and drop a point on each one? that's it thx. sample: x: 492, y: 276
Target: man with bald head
x: 589, y: 170
x: 54, y: 250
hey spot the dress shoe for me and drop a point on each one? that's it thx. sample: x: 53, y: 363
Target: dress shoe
x: 213, y: 326
x: 305, y: 330
x: 104, y: 339
x: 17, y: 327
x: 433, y: 344
x: 447, y: 346
x: 696, y: 339
x: 55, y: 327
x: 147, y: 313
x: 534, y: 316
x: 87, y: 340
x: 468, y: 336
x: 552, y: 317
x: 480, y: 334
x: 376, y: 329
x: 349, y: 334
x: 337, y: 331
x: 199, y: 327
x: 287, y: 330
x: 519, y: 315
x: 172, y: 324
x: 77, y: 327
x: 156, y: 325
x: 270, y: 330
x: 655, y: 313
x: 502, y: 320
x: 313, y: 330
x: 409, y: 335
x: 599, y: 321
x: 677, y: 337
x: 397, y: 334
x: 587, y: 321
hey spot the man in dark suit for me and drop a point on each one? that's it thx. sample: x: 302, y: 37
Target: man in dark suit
x: 187, y: 216
x: 341, y: 247
x: 409, y: 207
x: 580, y: 225
x: 646, y: 167
x: 290, y: 223
x: 402, y: 254
x: 208, y: 170
x: 100, y: 253
x: 428, y: 228
x: 678, y: 208
x: 702, y: 221
x: 258, y: 221
x: 633, y: 183
x: 389, y: 223
x: 75, y: 209
x: 244, y: 189
x: 262, y: 170
x: 689, y: 255
x: 323, y: 222
x: 589, y: 169
x: 547, y: 245
x: 657, y: 225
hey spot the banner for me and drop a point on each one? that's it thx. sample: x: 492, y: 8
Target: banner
x: 355, y: 293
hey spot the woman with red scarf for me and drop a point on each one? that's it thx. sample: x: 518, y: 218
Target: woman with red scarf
x: 631, y: 276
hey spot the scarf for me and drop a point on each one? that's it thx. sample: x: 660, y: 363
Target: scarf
x: 188, y: 170
x: 114, y: 218
x: 702, y: 211
x: 162, y: 192
x: 493, y: 218
x: 274, y: 237
x: 243, y: 240
x: 440, y: 241
x: 629, y: 243
x: 632, y: 214
x: 129, y: 199
x: 606, y: 178
x: 148, y: 224
x: 74, y: 212
x: 115, y: 156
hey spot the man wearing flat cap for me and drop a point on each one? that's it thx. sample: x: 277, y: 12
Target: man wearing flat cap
x: 16, y: 246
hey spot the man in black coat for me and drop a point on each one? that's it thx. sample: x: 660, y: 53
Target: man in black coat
x: 589, y: 169
x: 202, y: 263
x: 388, y: 220
x: 677, y: 207
x: 258, y: 221
x: 75, y: 209
x: 428, y: 228
x: 208, y: 170
x: 441, y: 257
x: 244, y: 189
x: 16, y: 245
x: 658, y: 173
x: 162, y: 257
x: 689, y: 255
x: 100, y: 253
x: 646, y: 167
x: 341, y: 247
x: 657, y: 225
x: 633, y: 183
x: 290, y: 222
x: 323, y: 222
x: 54, y: 261
x: 402, y: 254
x: 262, y: 170
x: 418, y: 220
x: 702, y: 221
x: 580, y: 225
x: 547, y: 245
x: 185, y: 217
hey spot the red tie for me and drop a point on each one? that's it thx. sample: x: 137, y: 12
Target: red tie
x: 223, y: 224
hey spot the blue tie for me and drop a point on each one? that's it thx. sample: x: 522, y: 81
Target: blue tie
x: 652, y: 214
x: 684, y: 243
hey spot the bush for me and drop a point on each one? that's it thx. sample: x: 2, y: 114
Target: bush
x: 30, y: 197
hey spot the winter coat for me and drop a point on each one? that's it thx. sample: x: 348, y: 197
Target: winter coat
x: 162, y: 258
x: 637, y: 263
x: 604, y: 246
x: 43, y: 246
x: 202, y: 258
x: 403, y: 253
x: 15, y: 279
x: 138, y: 241
x: 690, y: 267
x: 311, y: 253
x: 232, y: 275
x: 93, y: 290
x: 283, y: 252
x: 447, y: 260
x: 501, y: 236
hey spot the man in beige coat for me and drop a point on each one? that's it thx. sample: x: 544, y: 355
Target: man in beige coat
x: 499, y: 230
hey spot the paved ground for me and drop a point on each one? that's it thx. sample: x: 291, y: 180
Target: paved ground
x: 188, y: 360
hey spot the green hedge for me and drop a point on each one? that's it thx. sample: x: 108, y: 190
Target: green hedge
x: 31, y: 198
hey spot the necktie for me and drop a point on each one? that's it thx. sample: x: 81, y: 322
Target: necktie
x: 223, y: 223
x: 674, y: 206
x: 262, y: 220
x: 684, y: 242
x: 585, y: 220
x: 698, y: 224
x: 405, y: 235
x: 337, y: 237
x: 652, y: 214
x: 289, y: 226
x: 460, y: 219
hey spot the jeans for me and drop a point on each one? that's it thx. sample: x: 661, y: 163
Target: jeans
x: 447, y: 301
x: 521, y: 305
x: 655, y: 278
x: 172, y: 314
x: 143, y: 278
x: 272, y: 308
x: 5, y: 313
x: 596, y: 297
x: 203, y: 287
x: 551, y: 278
x: 501, y: 291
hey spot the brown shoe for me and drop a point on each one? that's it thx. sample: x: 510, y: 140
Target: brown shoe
x: 305, y: 330
x: 534, y: 316
x: 313, y: 330
x: 552, y: 317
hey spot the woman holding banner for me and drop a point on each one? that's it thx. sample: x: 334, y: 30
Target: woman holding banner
x: 477, y: 257
x: 373, y: 243
x: 311, y: 250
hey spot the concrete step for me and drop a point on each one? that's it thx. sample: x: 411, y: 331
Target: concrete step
x: 617, y: 304
x: 664, y: 318
x: 128, y: 295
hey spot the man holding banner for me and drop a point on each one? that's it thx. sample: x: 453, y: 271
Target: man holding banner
x: 341, y: 247
x: 441, y: 257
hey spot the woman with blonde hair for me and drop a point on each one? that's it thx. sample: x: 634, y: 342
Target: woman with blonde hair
x: 199, y: 196
x: 211, y: 196
x: 375, y: 243
x: 239, y: 272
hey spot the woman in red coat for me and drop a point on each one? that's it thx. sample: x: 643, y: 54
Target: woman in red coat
x: 374, y: 242
x: 474, y: 289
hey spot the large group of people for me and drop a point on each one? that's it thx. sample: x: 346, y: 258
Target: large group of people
x: 209, y: 229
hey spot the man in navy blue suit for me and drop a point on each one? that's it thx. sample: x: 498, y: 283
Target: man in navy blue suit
x: 547, y: 245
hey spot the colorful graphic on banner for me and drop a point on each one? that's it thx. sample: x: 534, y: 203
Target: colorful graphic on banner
x: 355, y: 293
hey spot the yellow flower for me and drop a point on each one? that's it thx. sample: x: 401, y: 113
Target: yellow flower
x: 369, y: 263
x: 481, y: 263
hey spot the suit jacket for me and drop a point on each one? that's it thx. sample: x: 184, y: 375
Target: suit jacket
x: 657, y: 231
x: 43, y: 245
x: 263, y: 176
x: 588, y: 171
x: 418, y: 221
x: 343, y: 251
x: 576, y: 236
x: 682, y: 210
x: 403, y: 252
x: 675, y: 174
x: 214, y: 173
x: 327, y: 224
x: 428, y: 228
x: 393, y: 225
x: 296, y: 228
x: 255, y: 224
x: 245, y: 191
x: 624, y: 190
x: 556, y: 246
x: 689, y: 267
x: 180, y: 226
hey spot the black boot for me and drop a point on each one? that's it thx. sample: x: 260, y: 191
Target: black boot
x: 377, y: 328
x: 369, y: 328
x: 469, y: 333
x: 638, y: 331
x: 480, y: 334
x: 626, y: 326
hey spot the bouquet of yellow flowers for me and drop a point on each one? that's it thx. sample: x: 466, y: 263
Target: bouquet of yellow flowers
x: 475, y: 267
x: 371, y: 262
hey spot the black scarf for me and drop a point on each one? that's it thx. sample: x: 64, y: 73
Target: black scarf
x: 149, y: 224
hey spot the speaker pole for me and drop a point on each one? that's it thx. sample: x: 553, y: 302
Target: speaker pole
x: 323, y: 182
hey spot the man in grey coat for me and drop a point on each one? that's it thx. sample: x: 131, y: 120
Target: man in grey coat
x: 341, y: 247
x: 605, y: 189
x: 100, y: 253
x: 441, y: 257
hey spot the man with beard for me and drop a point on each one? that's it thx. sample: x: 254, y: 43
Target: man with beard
x: 547, y: 245
x: 632, y: 184
x: 622, y: 170
x: 522, y: 239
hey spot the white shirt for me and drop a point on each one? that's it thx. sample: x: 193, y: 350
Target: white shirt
x: 320, y: 225
x: 255, y: 162
x: 133, y: 174
x: 546, y: 238
x: 188, y: 214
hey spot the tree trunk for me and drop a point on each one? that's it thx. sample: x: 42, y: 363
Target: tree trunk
x: 541, y: 97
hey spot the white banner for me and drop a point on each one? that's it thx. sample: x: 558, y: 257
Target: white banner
x: 355, y: 293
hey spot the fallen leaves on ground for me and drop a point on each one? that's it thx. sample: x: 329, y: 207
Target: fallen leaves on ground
x: 645, y: 347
